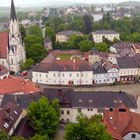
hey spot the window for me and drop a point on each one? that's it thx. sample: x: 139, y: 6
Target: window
x: 70, y: 75
x: 100, y: 110
x: 68, y: 112
x: 133, y: 136
x: 54, y: 75
x: 62, y: 111
x: 12, y: 61
x: 15, y: 112
x: 68, y: 120
x: 63, y: 75
x: 6, y: 125
x: 79, y: 110
x: 77, y: 74
x: 40, y: 75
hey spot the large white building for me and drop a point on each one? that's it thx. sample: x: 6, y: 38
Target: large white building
x: 63, y: 72
x: 12, y: 50
x: 110, y: 35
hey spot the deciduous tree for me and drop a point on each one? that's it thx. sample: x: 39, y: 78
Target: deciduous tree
x: 44, y: 116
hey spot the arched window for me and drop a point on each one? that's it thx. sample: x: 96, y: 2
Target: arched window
x: 12, y: 61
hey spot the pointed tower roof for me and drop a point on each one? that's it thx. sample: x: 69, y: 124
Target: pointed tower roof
x: 13, y: 11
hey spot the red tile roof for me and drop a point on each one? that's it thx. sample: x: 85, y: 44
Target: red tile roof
x: 121, y: 121
x: 4, y: 39
x: 13, y: 85
x: 3, y: 70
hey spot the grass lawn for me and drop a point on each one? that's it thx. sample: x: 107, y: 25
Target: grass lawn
x: 64, y: 56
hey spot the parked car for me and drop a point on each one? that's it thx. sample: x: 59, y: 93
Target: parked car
x: 24, y: 73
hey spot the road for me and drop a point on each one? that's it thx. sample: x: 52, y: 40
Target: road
x: 133, y: 89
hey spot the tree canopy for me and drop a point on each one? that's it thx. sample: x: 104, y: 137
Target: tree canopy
x: 87, y: 129
x: 44, y: 116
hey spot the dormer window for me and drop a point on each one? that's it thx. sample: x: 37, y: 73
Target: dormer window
x: 6, y: 125
x: 15, y: 112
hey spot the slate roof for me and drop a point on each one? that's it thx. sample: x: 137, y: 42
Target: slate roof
x: 126, y: 62
x: 69, y: 33
x: 76, y: 99
x: 123, y: 45
x: 9, y: 114
x: 24, y: 129
x: 4, y: 39
x: 64, y: 65
x: 13, y: 11
x: 98, y: 69
x: 105, y: 32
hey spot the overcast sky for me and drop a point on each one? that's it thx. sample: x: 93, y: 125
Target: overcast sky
x: 26, y: 2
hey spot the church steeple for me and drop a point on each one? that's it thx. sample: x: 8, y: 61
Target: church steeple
x: 13, y: 11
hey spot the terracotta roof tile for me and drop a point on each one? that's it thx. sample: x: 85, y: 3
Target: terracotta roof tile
x: 13, y: 85
x: 122, y: 119
x: 3, y: 44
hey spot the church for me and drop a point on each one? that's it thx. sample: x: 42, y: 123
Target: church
x: 12, y: 49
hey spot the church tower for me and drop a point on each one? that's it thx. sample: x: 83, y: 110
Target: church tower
x: 16, y: 50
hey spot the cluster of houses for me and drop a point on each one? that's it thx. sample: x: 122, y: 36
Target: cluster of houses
x: 120, y: 110
x: 99, y: 68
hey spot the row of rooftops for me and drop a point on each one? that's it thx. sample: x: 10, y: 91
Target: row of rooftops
x: 117, y: 118
x: 52, y: 64
x: 122, y: 63
x: 69, y: 98
x: 69, y: 33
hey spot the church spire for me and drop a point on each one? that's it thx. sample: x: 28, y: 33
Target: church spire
x: 13, y: 11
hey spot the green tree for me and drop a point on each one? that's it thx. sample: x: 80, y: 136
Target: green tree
x: 39, y: 137
x: 3, y: 135
x: 35, y: 30
x: 36, y: 52
x: 27, y: 64
x: 135, y: 37
x: 86, y: 45
x: 34, y: 48
x: 102, y: 47
x: 44, y: 116
x: 22, y: 31
x: 49, y: 32
x: 87, y: 129
x: 17, y: 138
x: 88, y: 20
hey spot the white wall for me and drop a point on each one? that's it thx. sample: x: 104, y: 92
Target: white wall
x: 129, y: 136
x: 99, y: 37
x: 74, y: 113
x: 100, y: 78
x: 63, y: 78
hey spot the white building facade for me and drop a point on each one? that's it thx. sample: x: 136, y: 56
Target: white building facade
x: 110, y: 35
